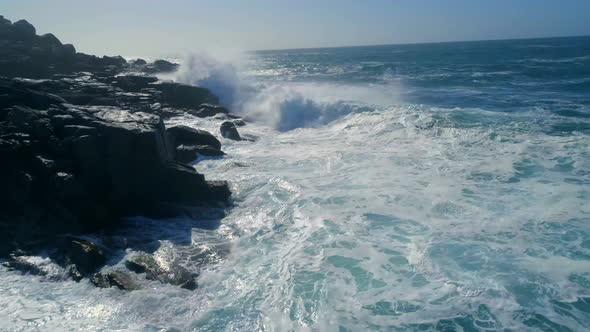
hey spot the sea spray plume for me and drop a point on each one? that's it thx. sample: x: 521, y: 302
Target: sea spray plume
x: 221, y: 77
x: 282, y: 105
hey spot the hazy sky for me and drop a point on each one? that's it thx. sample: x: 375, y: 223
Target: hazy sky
x: 152, y: 28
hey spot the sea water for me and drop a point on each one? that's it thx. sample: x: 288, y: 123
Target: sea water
x: 431, y: 187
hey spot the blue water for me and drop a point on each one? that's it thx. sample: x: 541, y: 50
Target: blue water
x: 433, y: 187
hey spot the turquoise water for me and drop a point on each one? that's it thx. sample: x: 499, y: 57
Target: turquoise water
x: 439, y: 187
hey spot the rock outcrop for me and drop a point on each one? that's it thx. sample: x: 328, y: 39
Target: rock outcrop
x: 83, y: 146
x: 82, y: 168
x: 228, y: 130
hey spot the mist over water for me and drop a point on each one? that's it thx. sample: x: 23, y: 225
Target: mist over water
x: 439, y: 187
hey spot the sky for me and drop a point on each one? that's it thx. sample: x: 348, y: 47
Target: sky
x: 160, y: 28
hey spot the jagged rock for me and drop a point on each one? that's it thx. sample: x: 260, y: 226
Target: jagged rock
x: 208, y: 110
x: 189, y: 153
x: 81, y: 151
x: 11, y: 93
x: 186, y: 153
x: 24, y: 27
x: 239, y: 122
x: 77, y: 130
x: 61, y: 120
x: 4, y: 21
x: 74, y: 273
x: 184, y: 96
x: 139, y: 62
x: 114, y: 60
x: 50, y: 42
x: 23, y: 265
x: 44, y: 166
x: 180, y: 135
x: 24, y: 54
x: 116, y: 278
x: 134, y: 83
x: 85, y: 255
x: 165, y: 272
x: 228, y: 130
x: 207, y: 150
x: 68, y: 50
x: 160, y: 66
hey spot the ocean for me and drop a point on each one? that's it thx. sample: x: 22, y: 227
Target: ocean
x: 425, y: 187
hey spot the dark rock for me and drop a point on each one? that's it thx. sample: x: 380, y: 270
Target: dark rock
x: 168, y: 112
x: 23, y: 265
x: 183, y: 135
x: 44, y: 166
x: 76, y: 130
x: 4, y: 21
x: 116, y: 278
x: 165, y: 272
x: 239, y: 122
x: 218, y: 190
x: 50, y: 42
x: 228, y: 130
x: 139, y: 62
x: 208, y: 110
x: 85, y: 255
x: 68, y: 49
x: 122, y: 280
x: 100, y: 280
x: 113, y: 61
x: 74, y: 273
x: 194, y: 188
x: 134, y: 83
x: 25, y: 28
x: 83, y: 147
x: 189, y: 153
x: 143, y: 263
x: 12, y: 93
x: 61, y: 120
x: 184, y: 96
x: 207, y: 150
x: 186, y: 154
x: 160, y: 66
x: 17, y: 190
x: 41, y: 128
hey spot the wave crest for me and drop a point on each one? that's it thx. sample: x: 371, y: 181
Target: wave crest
x: 282, y: 105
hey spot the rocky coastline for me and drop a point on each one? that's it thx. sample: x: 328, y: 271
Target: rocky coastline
x: 83, y: 145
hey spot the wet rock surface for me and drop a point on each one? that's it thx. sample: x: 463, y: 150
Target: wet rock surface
x: 228, y: 130
x: 83, y: 144
x: 164, y: 271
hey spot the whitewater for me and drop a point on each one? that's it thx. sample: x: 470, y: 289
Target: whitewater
x: 434, y: 187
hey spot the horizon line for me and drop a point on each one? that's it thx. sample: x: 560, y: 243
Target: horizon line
x: 419, y: 43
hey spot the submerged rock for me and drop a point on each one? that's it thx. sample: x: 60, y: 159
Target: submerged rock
x: 228, y: 130
x: 208, y: 110
x: 165, y: 272
x: 115, y: 278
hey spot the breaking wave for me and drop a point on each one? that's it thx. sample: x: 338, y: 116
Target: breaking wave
x: 282, y: 105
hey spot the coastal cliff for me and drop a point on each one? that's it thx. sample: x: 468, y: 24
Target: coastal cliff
x: 83, y: 145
